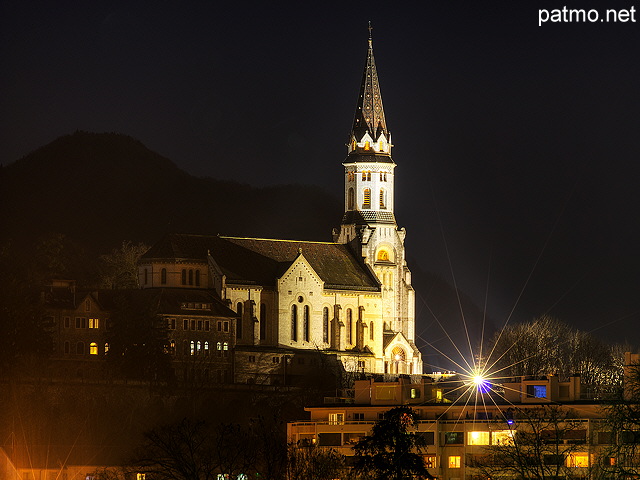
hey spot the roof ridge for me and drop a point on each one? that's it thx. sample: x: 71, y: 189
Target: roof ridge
x: 280, y: 240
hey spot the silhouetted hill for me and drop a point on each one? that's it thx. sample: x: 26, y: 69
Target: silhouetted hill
x: 100, y: 189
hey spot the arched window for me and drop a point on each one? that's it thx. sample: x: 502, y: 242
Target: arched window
x: 193, y: 348
x: 197, y: 278
x: 294, y: 323
x: 364, y: 176
x: 206, y: 348
x: 190, y: 277
x: 305, y: 326
x: 80, y: 348
x: 367, y: 145
x: 106, y: 348
x: 351, y: 199
x: 383, y: 256
x: 383, y: 199
x: 198, y: 346
x: 369, y: 176
x: 371, y: 335
x: 185, y: 348
x: 325, y: 325
x: 239, y: 323
x: 219, y: 346
x: 263, y: 321
x: 184, y: 276
x: 172, y: 347
x: 366, y: 202
x: 349, y: 325
x: 163, y: 276
x: 93, y: 348
x: 381, y: 148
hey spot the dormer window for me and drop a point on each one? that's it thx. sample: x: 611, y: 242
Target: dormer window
x: 367, y: 145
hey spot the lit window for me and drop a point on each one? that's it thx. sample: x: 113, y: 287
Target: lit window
x: 383, y: 256
x: 366, y: 203
x: 454, y: 461
x: 94, y: 323
x: 219, y: 346
x: 383, y: 199
x: 225, y: 346
x: 198, y: 346
x: 193, y: 347
x: 502, y: 437
x: 430, y: 461
x: 536, y: 391
x: 106, y: 348
x: 367, y: 145
x: 141, y: 476
x: 478, y: 438
x: 336, y: 418
x: 93, y: 348
x: 578, y: 460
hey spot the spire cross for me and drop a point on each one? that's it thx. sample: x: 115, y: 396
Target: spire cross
x: 370, y: 28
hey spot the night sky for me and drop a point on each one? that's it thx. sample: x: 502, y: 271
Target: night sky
x: 517, y: 145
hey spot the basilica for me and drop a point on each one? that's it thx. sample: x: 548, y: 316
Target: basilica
x: 351, y: 298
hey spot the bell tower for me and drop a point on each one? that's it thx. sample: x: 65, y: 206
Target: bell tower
x: 368, y: 224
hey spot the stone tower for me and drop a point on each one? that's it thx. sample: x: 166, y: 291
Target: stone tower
x: 368, y: 224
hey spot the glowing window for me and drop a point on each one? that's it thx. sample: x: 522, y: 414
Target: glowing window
x: 93, y: 348
x: 219, y: 346
x: 367, y: 145
x: 336, y: 418
x: 198, y: 346
x: 206, y: 348
x: 430, y: 461
x: 381, y: 147
x: 454, y: 461
x: 193, y: 347
x: 478, y: 438
x: 383, y: 256
x: 106, y: 347
x: 367, y: 198
x: 369, y: 176
x: 94, y: 323
x: 383, y: 199
x: 578, y: 460
x: 502, y: 437
x: 536, y: 391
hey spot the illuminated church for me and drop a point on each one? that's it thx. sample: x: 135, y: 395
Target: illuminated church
x: 351, y: 298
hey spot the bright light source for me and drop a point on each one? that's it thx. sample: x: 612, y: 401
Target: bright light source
x: 481, y: 383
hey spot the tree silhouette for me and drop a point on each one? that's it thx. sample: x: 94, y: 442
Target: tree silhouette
x: 392, y: 450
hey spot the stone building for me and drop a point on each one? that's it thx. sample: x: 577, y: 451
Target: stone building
x: 351, y: 298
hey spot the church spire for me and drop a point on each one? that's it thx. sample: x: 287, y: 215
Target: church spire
x: 369, y: 134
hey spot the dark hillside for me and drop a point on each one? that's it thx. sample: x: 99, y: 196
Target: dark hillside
x: 99, y: 189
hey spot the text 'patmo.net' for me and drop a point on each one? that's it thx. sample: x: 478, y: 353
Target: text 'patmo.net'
x: 581, y: 15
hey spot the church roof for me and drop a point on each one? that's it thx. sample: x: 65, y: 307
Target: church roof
x: 369, y: 116
x: 262, y: 261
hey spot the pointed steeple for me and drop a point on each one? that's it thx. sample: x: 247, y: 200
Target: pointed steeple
x: 369, y: 134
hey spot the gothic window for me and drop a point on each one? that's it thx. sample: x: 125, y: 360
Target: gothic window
x: 93, y: 348
x: 381, y: 147
x: 349, y: 325
x: 163, y: 276
x: 239, y: 324
x: 383, y: 256
x: 294, y: 323
x: 371, y: 335
x: 197, y: 278
x: 184, y: 276
x: 367, y: 145
x: 190, y: 277
x: 383, y: 199
x: 185, y: 348
x: 351, y: 199
x: 366, y: 203
x: 364, y: 176
x: 193, y: 348
x: 206, y: 348
x: 369, y: 176
x: 305, y: 325
x: 106, y: 348
x: 325, y: 325
x: 263, y: 321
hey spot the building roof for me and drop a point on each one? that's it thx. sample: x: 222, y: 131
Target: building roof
x: 262, y: 261
x: 159, y: 301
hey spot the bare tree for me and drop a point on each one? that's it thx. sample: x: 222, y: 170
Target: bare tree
x: 541, y: 442
x: 119, y: 269
x: 308, y: 461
